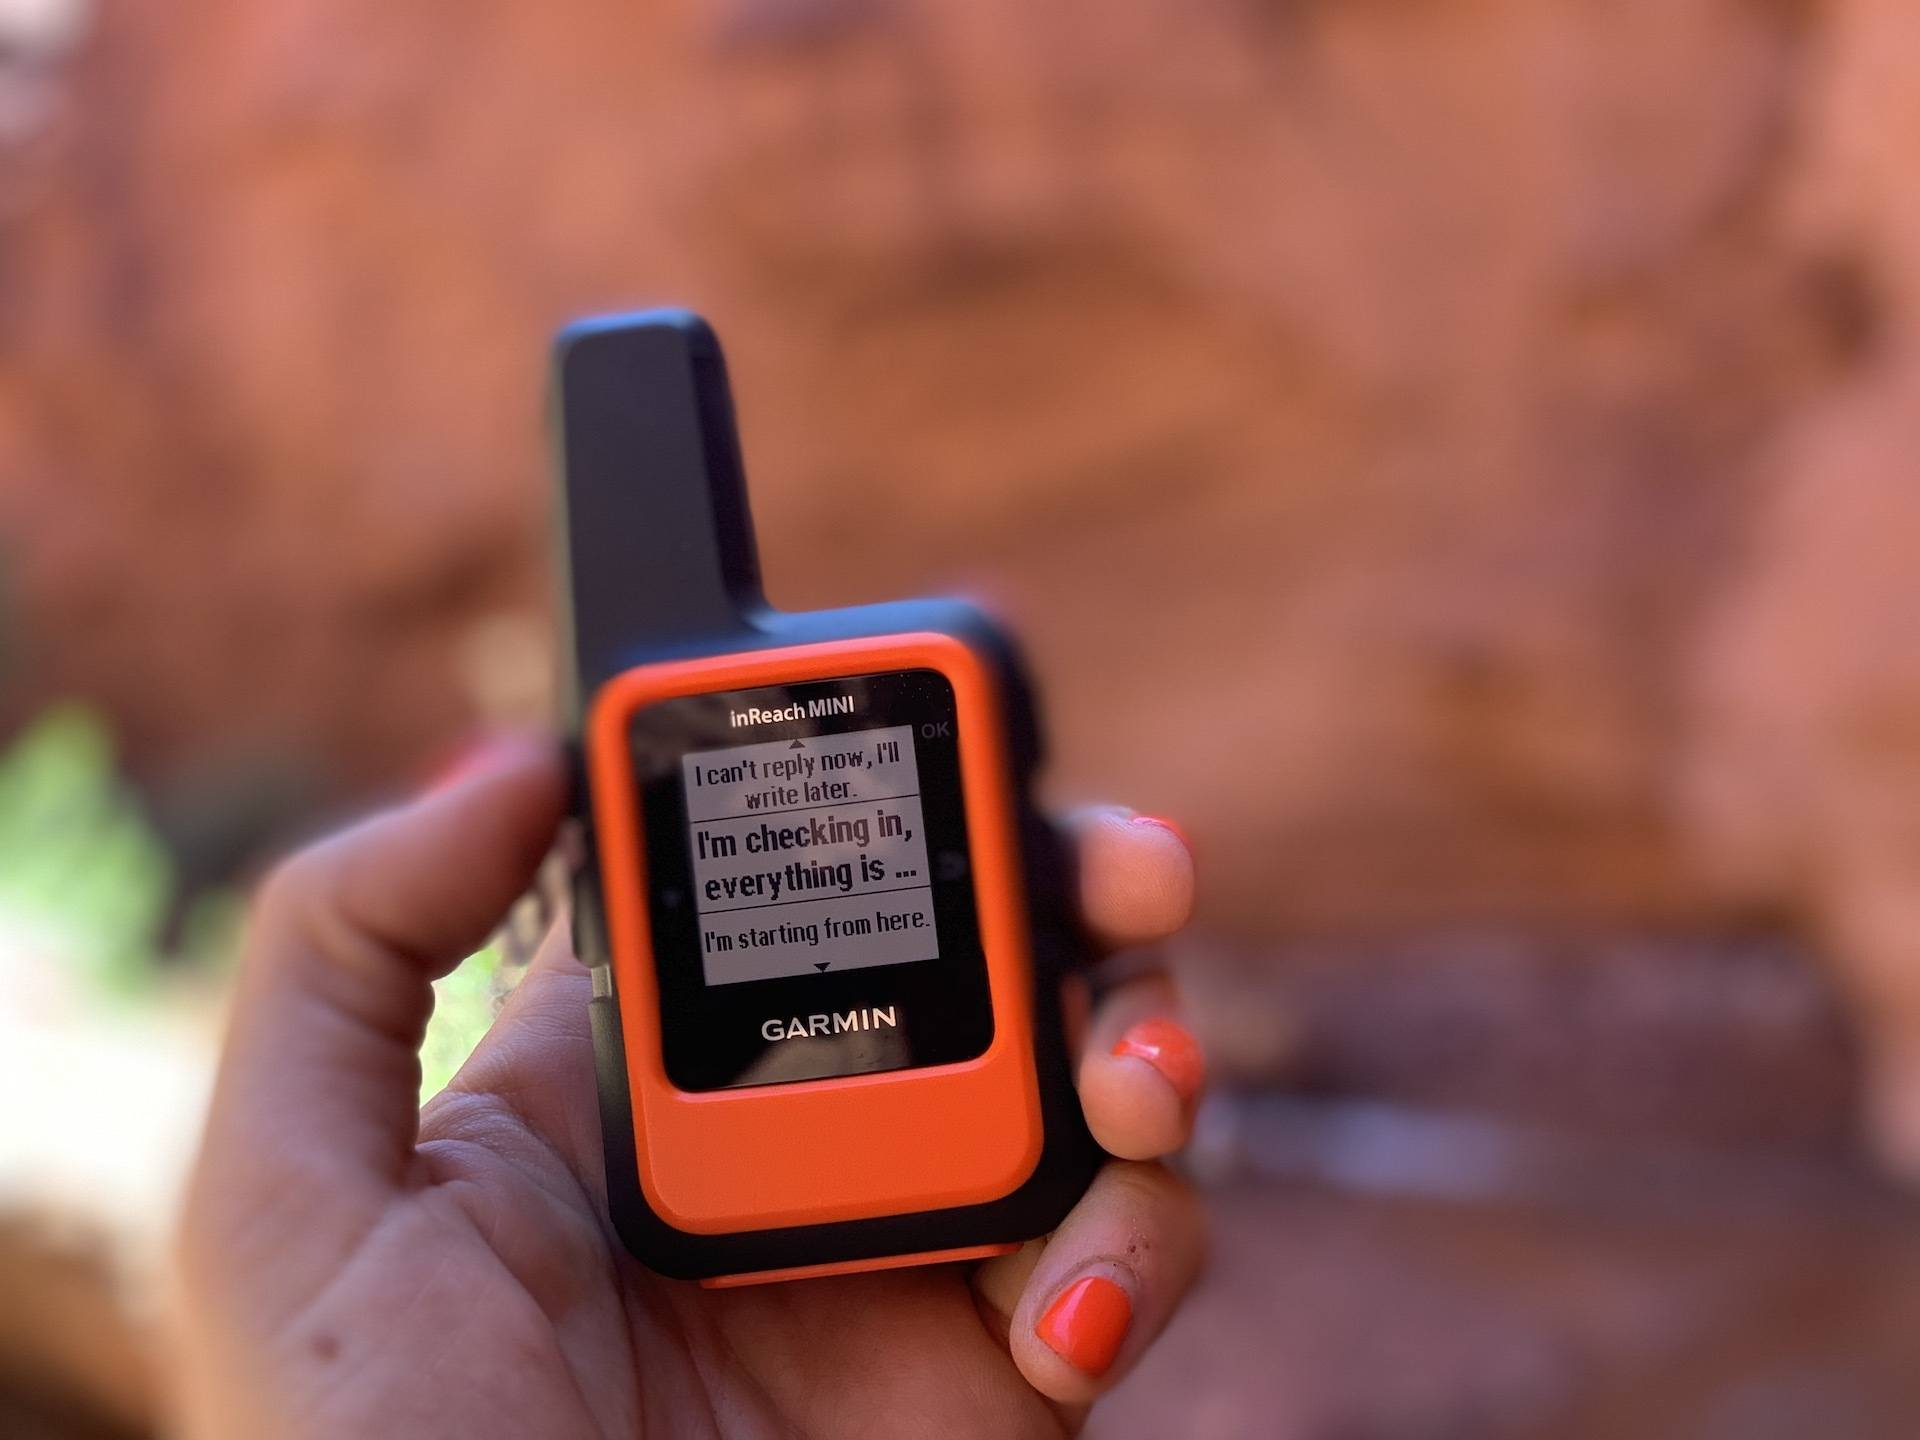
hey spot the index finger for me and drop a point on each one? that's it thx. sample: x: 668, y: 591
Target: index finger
x: 319, y: 1078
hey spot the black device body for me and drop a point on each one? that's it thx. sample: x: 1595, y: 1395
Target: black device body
x: 659, y: 564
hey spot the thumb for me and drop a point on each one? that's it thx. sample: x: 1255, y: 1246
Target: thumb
x: 318, y: 1090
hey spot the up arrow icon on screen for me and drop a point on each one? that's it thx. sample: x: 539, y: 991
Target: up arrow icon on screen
x: 796, y: 745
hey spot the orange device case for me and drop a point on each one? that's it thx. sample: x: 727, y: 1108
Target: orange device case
x: 797, y: 1158
x: 863, y: 1171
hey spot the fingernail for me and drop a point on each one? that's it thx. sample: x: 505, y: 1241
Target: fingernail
x: 469, y: 759
x: 1086, y: 1324
x: 1178, y: 833
x: 1169, y: 1048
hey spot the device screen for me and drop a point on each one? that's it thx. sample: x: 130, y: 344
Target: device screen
x: 828, y: 831
x: 810, y: 886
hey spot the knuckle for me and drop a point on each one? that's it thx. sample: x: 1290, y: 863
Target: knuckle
x: 305, y: 896
x: 289, y: 888
x: 297, y: 918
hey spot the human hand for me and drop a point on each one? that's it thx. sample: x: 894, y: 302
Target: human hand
x: 351, y: 1266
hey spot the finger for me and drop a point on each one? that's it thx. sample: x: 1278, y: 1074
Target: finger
x: 1141, y: 1072
x: 1082, y: 1308
x: 537, y: 1060
x: 1135, y: 876
x: 320, y: 1074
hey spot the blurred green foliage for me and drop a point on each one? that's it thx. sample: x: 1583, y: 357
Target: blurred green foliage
x: 463, y: 1007
x: 81, y: 870
x: 85, y: 877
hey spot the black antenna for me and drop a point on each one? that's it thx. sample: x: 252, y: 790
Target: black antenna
x: 658, y: 551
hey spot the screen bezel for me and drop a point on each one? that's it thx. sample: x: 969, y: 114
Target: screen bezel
x: 712, y: 1035
x: 775, y: 1156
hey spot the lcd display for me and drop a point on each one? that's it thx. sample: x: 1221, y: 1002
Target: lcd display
x: 809, y: 883
x: 809, y: 855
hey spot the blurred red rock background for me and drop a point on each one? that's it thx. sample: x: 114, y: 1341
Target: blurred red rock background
x: 1360, y: 407
x: 1456, y: 458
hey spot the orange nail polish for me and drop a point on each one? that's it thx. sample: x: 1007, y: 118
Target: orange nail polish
x: 1166, y: 1045
x: 476, y: 755
x: 1086, y: 1323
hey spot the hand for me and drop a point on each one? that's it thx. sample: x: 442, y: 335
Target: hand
x: 351, y: 1266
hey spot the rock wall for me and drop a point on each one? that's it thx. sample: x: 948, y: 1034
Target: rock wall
x: 1429, y: 449
x: 1803, y: 780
